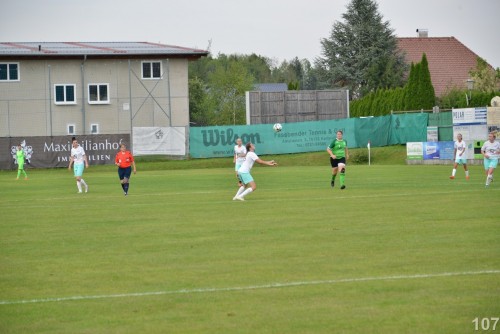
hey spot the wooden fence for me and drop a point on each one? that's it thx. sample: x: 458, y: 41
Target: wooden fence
x: 296, y: 106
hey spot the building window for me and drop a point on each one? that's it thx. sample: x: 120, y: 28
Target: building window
x: 64, y: 94
x: 9, y: 72
x: 151, y: 69
x: 71, y: 129
x: 94, y: 129
x: 98, y: 94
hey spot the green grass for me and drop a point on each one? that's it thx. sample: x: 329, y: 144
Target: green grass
x: 179, y: 231
x: 390, y: 155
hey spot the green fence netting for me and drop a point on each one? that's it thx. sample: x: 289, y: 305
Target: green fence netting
x: 218, y: 141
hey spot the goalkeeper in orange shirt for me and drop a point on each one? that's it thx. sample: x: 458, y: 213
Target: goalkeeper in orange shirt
x: 125, y: 161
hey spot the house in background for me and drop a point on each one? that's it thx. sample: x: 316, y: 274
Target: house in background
x: 270, y: 87
x: 80, y: 88
x: 449, y: 60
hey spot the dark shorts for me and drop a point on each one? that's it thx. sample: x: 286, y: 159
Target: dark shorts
x: 335, y: 162
x: 124, y: 172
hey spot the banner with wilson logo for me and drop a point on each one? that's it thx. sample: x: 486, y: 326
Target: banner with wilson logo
x: 219, y: 141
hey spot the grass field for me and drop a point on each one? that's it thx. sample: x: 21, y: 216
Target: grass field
x: 402, y: 250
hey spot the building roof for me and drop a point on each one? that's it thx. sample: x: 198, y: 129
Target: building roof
x: 271, y: 87
x: 449, y: 60
x: 95, y: 50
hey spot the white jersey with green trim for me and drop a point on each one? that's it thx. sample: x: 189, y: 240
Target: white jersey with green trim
x: 248, y: 163
x: 240, y: 152
x: 77, y: 154
x: 460, y: 147
x: 492, y: 149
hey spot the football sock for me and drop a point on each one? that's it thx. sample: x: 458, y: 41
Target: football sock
x: 334, y: 176
x: 342, y: 178
x: 79, y: 185
x: 453, y: 172
x: 83, y: 182
x: 246, y: 192
x: 240, y: 191
x: 466, y: 173
x: 18, y: 173
x: 24, y: 172
x: 125, y: 186
x: 488, y: 179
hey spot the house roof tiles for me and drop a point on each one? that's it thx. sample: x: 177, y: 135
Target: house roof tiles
x: 449, y: 60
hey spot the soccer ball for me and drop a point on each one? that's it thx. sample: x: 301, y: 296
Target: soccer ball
x: 277, y: 127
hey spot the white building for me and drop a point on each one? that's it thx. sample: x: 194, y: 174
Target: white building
x: 81, y: 88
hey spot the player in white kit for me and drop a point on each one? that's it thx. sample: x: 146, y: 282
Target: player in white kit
x: 240, y: 152
x: 244, y: 172
x: 460, y: 157
x: 77, y: 159
x: 491, y: 153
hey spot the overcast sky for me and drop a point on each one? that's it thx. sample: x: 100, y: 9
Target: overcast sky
x: 279, y: 29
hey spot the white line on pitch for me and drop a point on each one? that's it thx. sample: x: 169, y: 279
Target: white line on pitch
x: 201, y: 192
x: 247, y: 288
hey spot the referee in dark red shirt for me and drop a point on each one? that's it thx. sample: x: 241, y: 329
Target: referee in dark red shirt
x: 125, y: 161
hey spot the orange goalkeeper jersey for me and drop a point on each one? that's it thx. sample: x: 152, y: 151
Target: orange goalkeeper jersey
x: 125, y: 159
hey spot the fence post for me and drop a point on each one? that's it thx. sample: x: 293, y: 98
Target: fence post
x: 130, y: 104
x: 168, y: 91
x: 50, y: 102
x: 83, y: 94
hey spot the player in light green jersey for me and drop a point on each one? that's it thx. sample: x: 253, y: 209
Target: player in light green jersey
x: 20, y: 162
x: 338, y: 155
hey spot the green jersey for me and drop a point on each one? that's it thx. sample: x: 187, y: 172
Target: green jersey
x: 20, y: 157
x: 338, y: 148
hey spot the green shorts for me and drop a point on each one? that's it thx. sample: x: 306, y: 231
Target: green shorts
x: 78, y: 169
x: 246, y: 178
x: 490, y: 163
x: 20, y: 166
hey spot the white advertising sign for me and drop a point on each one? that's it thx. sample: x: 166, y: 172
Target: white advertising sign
x: 159, y: 141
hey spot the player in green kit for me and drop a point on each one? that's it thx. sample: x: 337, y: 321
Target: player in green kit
x: 20, y: 162
x: 338, y: 155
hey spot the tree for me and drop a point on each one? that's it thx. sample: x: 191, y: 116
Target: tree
x: 361, y: 52
x: 226, y: 86
x: 197, y: 102
x: 419, y: 92
x: 486, y: 79
x: 426, y: 92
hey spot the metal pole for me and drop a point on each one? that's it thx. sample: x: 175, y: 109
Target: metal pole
x: 169, y: 98
x: 50, y: 103
x: 83, y: 93
x: 8, y: 117
x: 130, y: 102
x: 347, y: 96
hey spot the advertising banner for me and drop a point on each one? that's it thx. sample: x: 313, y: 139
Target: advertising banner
x: 415, y: 150
x: 447, y: 150
x: 219, y: 141
x: 431, y: 150
x: 469, y: 116
x: 470, y: 134
x: 159, y: 140
x: 493, y: 117
x: 432, y: 133
x: 48, y: 152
